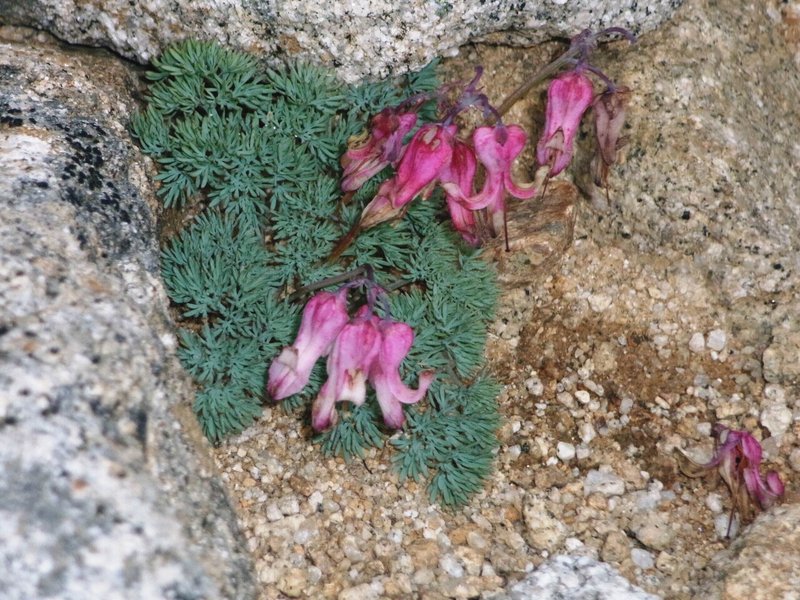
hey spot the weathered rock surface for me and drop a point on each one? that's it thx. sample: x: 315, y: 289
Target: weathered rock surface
x: 761, y: 564
x: 372, y: 38
x: 576, y: 578
x: 107, y: 487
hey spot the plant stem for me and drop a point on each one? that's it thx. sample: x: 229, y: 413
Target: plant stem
x: 540, y: 75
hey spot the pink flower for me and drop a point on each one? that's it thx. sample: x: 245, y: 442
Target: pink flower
x: 738, y: 460
x: 568, y: 97
x: 349, y: 363
x: 396, y: 341
x: 457, y: 181
x: 381, y: 147
x: 427, y: 154
x: 324, y: 316
x: 497, y: 148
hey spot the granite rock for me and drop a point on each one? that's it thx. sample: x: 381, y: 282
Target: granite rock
x: 576, y: 578
x: 367, y: 38
x: 762, y: 562
x: 108, y: 489
x: 709, y: 178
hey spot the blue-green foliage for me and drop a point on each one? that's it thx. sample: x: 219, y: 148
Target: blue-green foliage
x: 256, y: 152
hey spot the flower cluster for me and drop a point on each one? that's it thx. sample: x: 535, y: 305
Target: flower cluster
x: 738, y: 459
x: 437, y: 154
x: 361, y: 349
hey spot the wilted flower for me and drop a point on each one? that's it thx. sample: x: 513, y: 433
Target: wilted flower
x: 323, y: 318
x: 382, y: 146
x: 396, y: 341
x: 568, y: 97
x: 738, y: 460
x: 349, y: 363
x: 427, y: 154
x: 609, y: 117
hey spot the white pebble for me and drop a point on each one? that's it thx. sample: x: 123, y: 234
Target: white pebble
x: 583, y: 396
x: 697, y: 343
x: 587, y: 432
x: 603, y: 482
x: 450, y: 565
x: 717, y: 339
x: 565, y: 451
x: 721, y: 525
x: 599, y: 302
x: 777, y: 418
x: 642, y: 558
x: 714, y: 503
x: 626, y: 405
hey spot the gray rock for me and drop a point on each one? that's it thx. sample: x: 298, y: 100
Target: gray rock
x: 373, y: 38
x: 107, y: 487
x: 762, y: 562
x: 709, y: 177
x: 576, y: 578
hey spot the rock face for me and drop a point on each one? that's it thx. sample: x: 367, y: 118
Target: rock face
x: 577, y: 578
x: 761, y: 564
x: 373, y: 38
x: 107, y: 487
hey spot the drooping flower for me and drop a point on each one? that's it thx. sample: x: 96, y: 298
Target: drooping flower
x: 373, y: 151
x: 497, y: 148
x: 349, y: 363
x: 738, y: 460
x: 324, y: 316
x: 427, y: 154
x: 396, y: 340
x: 457, y: 180
x: 609, y: 117
x: 568, y: 97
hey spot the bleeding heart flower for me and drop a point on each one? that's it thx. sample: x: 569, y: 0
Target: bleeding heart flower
x: 497, y: 148
x: 457, y: 180
x: 353, y: 353
x: 324, y: 316
x: 427, y: 154
x: 738, y: 460
x: 396, y: 341
x: 568, y: 97
x: 370, y: 153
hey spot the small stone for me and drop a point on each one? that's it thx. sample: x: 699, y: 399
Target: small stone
x: 794, y: 459
x: 365, y: 591
x: 777, y: 418
x: 714, y: 502
x: 717, y: 339
x: 292, y: 582
x: 273, y: 513
x: 583, y: 396
x: 616, y: 548
x: 587, y: 432
x: 606, y: 483
x: 599, y: 302
x: 642, y: 558
x: 566, y: 399
x: 653, y: 530
x: 697, y: 343
x: 451, y: 565
x: 476, y: 541
x: 542, y: 530
x: 722, y: 527
x: 565, y: 451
